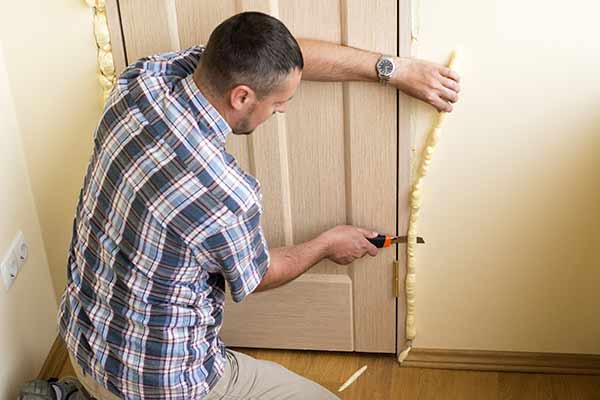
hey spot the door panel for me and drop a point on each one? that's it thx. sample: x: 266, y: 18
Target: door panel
x: 312, y: 312
x: 331, y: 159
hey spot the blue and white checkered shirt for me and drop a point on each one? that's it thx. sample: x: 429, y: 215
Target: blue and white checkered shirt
x: 164, y: 218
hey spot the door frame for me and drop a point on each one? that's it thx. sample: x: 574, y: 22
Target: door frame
x: 406, y: 140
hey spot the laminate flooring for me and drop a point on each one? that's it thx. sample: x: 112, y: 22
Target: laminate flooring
x: 386, y: 380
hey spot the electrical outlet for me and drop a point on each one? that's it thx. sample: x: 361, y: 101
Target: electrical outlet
x: 10, y: 268
x: 14, y: 259
x: 21, y: 249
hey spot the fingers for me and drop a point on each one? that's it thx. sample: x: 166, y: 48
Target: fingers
x: 372, y: 250
x: 449, y: 90
x: 365, y: 247
x: 448, y: 73
x: 367, y: 233
x: 450, y: 84
x: 444, y: 91
x: 448, y: 95
x: 368, y: 246
x: 441, y: 105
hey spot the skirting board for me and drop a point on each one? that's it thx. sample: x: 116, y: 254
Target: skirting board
x: 476, y: 360
x: 55, y: 360
x: 480, y: 360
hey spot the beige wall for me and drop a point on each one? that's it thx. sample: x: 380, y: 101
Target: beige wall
x: 511, y: 207
x: 51, y: 60
x: 28, y: 309
x: 511, y: 203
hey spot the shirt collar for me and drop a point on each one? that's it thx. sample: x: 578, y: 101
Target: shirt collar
x: 206, y: 113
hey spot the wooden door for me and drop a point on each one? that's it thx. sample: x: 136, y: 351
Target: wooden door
x: 331, y: 159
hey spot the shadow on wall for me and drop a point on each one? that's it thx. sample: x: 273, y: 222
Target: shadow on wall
x: 57, y: 102
x: 28, y: 309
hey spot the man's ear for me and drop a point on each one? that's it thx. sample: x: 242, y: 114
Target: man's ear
x: 241, y: 96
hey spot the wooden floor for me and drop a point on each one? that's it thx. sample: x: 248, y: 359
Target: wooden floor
x: 384, y: 379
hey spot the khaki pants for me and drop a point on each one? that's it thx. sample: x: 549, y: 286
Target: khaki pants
x: 95, y: 389
x: 245, y: 378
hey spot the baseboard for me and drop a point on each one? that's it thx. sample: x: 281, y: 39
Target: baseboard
x: 55, y: 360
x: 559, y: 363
x: 476, y: 360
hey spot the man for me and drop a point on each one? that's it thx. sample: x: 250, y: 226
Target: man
x: 166, y: 217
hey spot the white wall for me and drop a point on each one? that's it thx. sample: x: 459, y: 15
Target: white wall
x: 511, y: 211
x: 50, y: 55
x: 28, y: 309
x: 50, y: 102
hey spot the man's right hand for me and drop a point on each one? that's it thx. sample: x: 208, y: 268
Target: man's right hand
x: 346, y: 243
x: 342, y: 244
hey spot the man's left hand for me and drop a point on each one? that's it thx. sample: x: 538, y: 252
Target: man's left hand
x: 432, y: 83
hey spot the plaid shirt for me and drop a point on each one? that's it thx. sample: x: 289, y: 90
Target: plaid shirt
x: 164, y: 218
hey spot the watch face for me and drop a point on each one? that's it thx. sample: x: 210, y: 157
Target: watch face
x: 385, y: 67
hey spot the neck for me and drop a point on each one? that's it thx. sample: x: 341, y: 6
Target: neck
x: 215, y: 100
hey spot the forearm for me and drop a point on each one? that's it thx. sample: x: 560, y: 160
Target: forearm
x: 325, y: 61
x: 432, y: 83
x: 287, y: 263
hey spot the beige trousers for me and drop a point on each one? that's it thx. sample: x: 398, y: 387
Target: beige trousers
x: 244, y: 378
x: 95, y: 389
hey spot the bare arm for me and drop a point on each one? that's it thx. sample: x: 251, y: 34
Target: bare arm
x: 342, y: 244
x: 426, y: 81
x: 327, y: 62
x: 287, y: 263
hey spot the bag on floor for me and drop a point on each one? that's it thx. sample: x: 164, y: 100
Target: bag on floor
x: 53, y: 389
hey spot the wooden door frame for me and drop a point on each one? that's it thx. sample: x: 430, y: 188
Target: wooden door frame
x: 406, y: 138
x: 116, y: 35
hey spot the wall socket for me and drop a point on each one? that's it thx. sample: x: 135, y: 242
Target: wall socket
x: 14, y: 259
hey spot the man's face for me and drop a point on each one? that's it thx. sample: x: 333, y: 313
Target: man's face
x: 274, y: 102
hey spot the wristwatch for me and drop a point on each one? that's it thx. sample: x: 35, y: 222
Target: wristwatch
x: 385, y: 68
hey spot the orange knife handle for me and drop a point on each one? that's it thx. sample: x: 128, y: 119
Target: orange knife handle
x: 381, y: 241
x: 388, y: 241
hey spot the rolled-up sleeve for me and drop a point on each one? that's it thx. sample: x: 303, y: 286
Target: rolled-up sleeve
x: 241, y: 252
